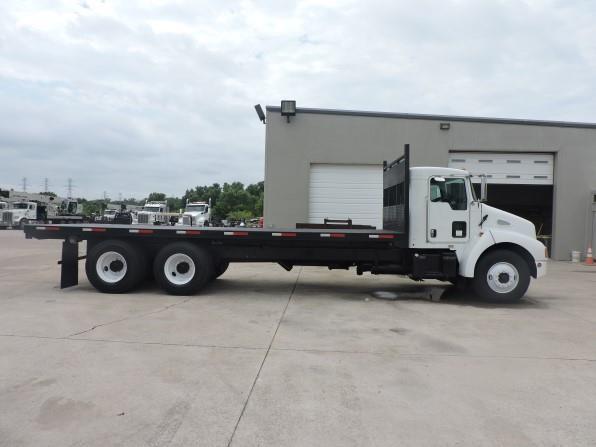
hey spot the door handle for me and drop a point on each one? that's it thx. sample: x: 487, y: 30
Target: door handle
x: 433, y: 233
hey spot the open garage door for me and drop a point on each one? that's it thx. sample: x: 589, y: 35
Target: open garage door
x: 343, y: 191
x: 520, y: 183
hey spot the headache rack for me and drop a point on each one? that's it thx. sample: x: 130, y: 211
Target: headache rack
x: 396, y: 197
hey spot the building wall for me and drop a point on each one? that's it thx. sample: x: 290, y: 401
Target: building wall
x: 313, y: 137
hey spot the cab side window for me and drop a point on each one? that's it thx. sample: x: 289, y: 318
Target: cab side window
x: 449, y: 190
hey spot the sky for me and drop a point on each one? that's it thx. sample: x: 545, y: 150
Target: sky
x: 134, y: 96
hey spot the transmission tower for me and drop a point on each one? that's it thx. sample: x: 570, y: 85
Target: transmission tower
x: 46, y: 184
x: 69, y: 187
x: 24, y: 184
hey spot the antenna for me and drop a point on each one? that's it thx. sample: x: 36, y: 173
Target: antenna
x: 24, y: 184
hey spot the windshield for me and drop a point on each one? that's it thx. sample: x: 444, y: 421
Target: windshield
x: 19, y: 206
x: 110, y: 212
x: 153, y: 209
x: 199, y: 208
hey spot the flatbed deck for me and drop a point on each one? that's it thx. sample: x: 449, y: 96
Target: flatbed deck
x: 90, y: 231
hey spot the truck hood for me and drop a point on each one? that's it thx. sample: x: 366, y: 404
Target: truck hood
x: 502, y: 220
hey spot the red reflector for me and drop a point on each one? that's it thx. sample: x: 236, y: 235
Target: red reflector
x: 193, y: 232
x: 288, y: 234
x: 98, y: 230
x: 53, y: 228
x: 240, y: 233
x: 142, y: 231
x: 386, y: 236
x: 337, y: 235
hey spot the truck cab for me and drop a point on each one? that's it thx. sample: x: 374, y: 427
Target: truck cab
x: 20, y: 214
x: 197, y: 214
x: 488, y: 242
x: 154, y: 213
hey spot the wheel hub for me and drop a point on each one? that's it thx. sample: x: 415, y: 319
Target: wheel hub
x: 179, y: 269
x: 502, y: 277
x: 111, y: 267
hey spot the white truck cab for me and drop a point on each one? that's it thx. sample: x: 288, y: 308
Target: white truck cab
x: 446, y: 214
x: 20, y: 214
x: 197, y: 214
x: 153, y: 213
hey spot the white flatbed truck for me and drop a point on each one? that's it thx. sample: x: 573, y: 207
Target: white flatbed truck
x: 434, y: 227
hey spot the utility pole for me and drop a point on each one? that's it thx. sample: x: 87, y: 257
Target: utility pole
x: 46, y: 185
x: 120, y: 197
x: 24, y: 184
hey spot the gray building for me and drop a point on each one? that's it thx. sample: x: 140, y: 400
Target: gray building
x: 328, y: 163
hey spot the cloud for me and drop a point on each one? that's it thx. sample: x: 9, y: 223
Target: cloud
x: 140, y: 96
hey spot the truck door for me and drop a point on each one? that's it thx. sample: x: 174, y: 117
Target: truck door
x: 448, y: 214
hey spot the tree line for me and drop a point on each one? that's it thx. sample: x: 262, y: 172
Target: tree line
x: 232, y: 201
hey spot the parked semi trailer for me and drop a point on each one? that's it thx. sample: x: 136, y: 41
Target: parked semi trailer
x: 434, y: 226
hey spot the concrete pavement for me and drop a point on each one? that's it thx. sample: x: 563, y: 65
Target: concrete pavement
x: 266, y: 357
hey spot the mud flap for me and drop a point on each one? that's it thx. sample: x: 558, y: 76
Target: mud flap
x: 69, y: 273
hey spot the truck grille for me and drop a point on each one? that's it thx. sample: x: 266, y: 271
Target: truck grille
x: 7, y: 217
x: 143, y: 218
x: 186, y: 220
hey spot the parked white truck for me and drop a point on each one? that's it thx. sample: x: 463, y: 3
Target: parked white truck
x: 41, y: 208
x: 434, y: 227
x: 196, y: 214
x: 154, y: 213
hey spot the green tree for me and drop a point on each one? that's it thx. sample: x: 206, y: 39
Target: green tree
x: 203, y: 194
x: 156, y: 197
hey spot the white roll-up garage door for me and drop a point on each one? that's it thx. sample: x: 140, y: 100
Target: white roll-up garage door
x: 514, y: 168
x: 340, y: 191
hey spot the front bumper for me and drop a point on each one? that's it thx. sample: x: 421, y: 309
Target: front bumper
x: 541, y: 268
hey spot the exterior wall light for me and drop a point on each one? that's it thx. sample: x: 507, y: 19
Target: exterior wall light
x: 288, y: 108
x: 260, y: 113
x: 445, y: 126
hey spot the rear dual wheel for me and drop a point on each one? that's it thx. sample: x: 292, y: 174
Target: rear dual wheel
x: 182, y: 268
x: 115, y: 266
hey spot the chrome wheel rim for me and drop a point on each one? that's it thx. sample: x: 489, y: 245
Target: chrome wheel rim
x: 179, y: 269
x: 111, y: 267
x: 502, y: 277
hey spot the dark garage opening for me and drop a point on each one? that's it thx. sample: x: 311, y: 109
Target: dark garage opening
x: 532, y: 202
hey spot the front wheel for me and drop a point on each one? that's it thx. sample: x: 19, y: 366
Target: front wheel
x: 22, y: 223
x: 501, y: 275
x: 182, y: 268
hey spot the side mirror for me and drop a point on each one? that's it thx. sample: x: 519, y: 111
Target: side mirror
x: 483, y: 189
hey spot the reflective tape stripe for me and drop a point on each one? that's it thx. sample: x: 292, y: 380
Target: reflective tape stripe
x: 284, y: 234
x: 235, y: 233
x: 48, y: 228
x: 381, y: 236
x: 95, y: 230
x: 141, y: 231
x: 188, y: 232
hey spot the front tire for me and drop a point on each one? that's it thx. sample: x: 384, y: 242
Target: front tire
x: 22, y: 223
x: 182, y: 268
x: 502, y: 276
x: 115, y: 266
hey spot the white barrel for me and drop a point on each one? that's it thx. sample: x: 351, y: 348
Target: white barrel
x: 575, y: 256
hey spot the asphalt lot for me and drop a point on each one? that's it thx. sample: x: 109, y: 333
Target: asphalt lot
x: 266, y: 357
